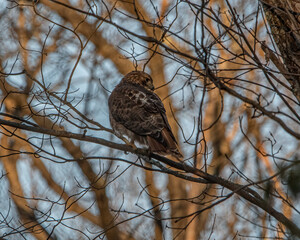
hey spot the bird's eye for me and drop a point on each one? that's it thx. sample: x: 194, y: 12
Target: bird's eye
x: 148, y: 80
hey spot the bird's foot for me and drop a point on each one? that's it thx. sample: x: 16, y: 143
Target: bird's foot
x: 130, y: 143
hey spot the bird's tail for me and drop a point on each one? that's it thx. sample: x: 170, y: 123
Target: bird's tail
x: 167, y: 146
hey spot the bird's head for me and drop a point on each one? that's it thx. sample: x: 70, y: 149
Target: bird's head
x: 140, y: 78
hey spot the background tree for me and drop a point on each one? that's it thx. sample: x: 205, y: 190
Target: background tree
x: 229, y: 82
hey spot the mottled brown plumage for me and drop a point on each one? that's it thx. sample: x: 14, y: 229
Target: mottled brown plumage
x: 137, y: 112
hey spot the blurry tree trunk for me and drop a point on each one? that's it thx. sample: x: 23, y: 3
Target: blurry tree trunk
x: 24, y: 208
x: 284, y: 21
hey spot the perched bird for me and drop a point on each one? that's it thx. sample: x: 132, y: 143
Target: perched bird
x: 138, y: 113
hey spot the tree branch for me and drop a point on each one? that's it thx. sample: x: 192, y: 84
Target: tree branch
x: 243, y: 191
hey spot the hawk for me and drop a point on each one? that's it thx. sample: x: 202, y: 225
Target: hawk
x: 138, y: 113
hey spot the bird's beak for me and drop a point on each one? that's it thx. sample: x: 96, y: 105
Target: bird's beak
x: 151, y: 87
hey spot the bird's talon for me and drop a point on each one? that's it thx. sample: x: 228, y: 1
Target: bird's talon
x: 131, y: 144
x: 134, y: 147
